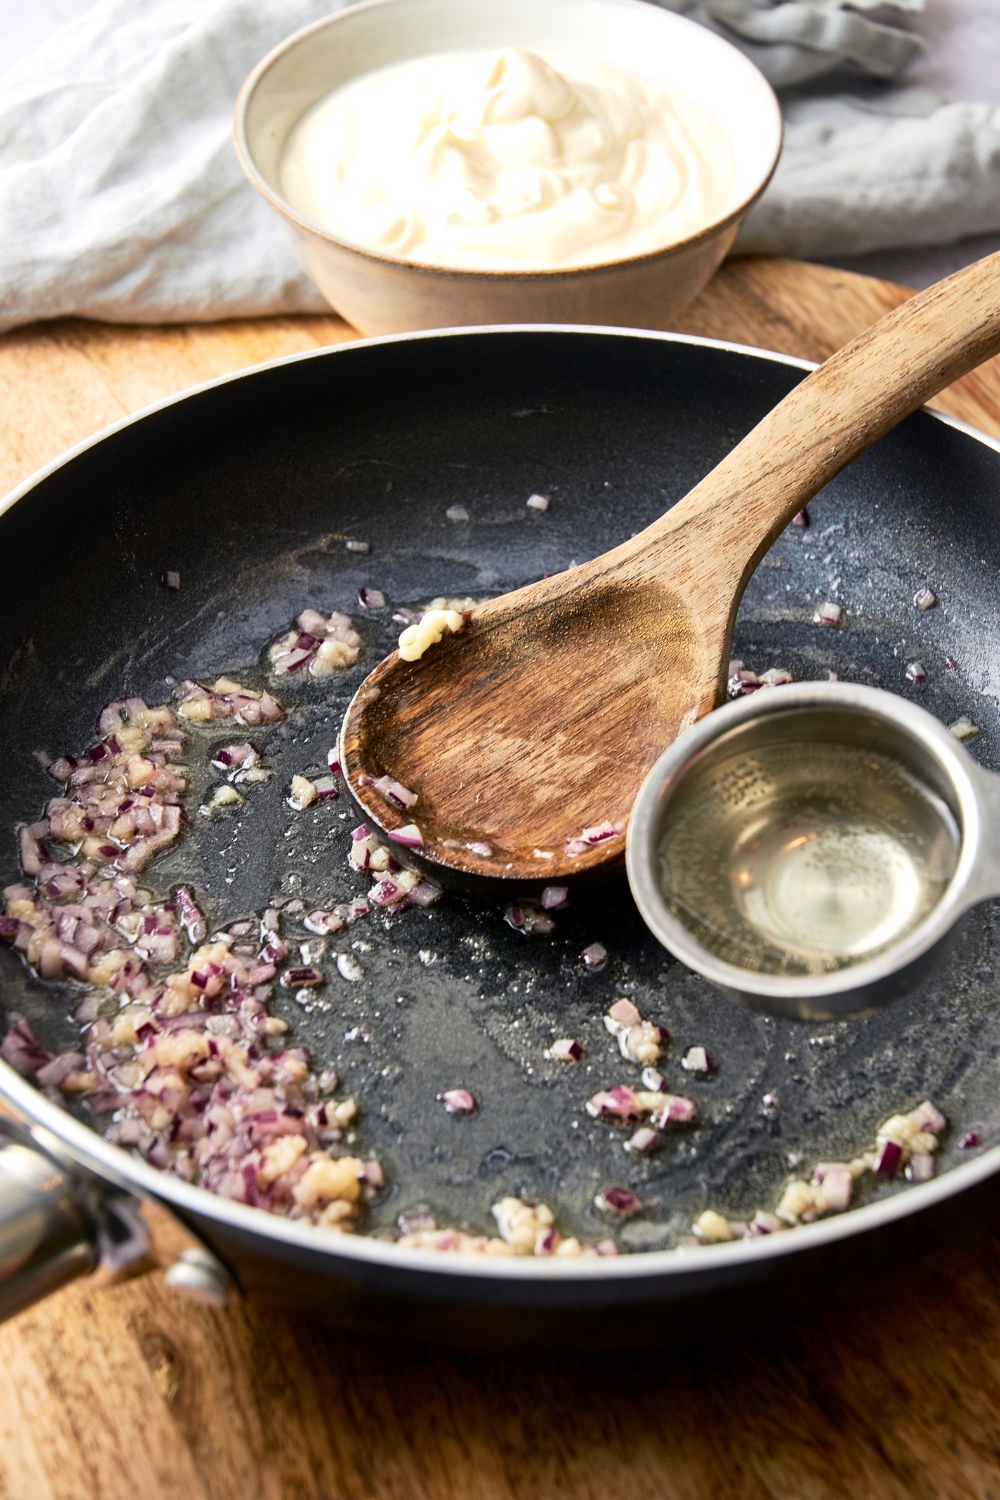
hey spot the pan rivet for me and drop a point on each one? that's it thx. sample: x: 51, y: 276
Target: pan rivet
x: 198, y: 1275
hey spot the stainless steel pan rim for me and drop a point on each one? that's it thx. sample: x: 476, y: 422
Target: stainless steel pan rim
x: 123, y: 1170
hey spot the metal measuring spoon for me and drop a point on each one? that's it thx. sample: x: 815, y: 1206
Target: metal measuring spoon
x: 874, y: 875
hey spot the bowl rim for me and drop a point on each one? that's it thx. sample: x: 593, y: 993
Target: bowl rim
x: 472, y: 274
x: 121, y: 1169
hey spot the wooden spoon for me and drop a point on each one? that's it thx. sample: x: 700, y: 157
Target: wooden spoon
x: 541, y: 718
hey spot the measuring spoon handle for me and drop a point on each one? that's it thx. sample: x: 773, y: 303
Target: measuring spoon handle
x: 984, y: 881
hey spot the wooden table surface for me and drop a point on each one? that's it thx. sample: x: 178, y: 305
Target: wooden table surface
x: 129, y: 1392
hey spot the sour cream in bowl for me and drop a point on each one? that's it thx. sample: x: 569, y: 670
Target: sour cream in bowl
x: 564, y: 161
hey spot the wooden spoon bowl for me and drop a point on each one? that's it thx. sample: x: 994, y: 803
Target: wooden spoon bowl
x: 541, y: 718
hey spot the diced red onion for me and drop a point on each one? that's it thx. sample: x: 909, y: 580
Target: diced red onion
x: 928, y: 1117
x: 353, y: 545
x: 554, y: 896
x: 538, y: 502
x: 529, y: 919
x: 970, y: 1139
x: 409, y: 836
x: 925, y: 598
x: 302, y: 978
x: 326, y: 788
x: 370, y: 598
x: 333, y: 762
x: 675, y: 1110
x: 591, y: 837
x: 828, y: 614
x: 416, y: 1221
x: 696, y: 1060
x: 837, y: 1183
x: 916, y: 672
x: 407, y: 616
x: 742, y: 681
x: 236, y: 757
x: 170, y: 580
x: 22, y: 1050
x: 763, y: 1223
x: 423, y: 894
x: 645, y: 1141
x: 887, y: 1160
x: 392, y: 790
x: 457, y: 513
x: 920, y: 1167
x: 191, y: 918
x: 618, y: 1103
x: 775, y: 677
x: 58, y: 1070
x: 566, y: 1049
x: 801, y: 519
x: 457, y: 1101
x: 622, y: 1016
x: 606, y: 1247
x: 31, y: 850
x: 617, y: 1200
x: 652, y: 1081
x: 595, y: 955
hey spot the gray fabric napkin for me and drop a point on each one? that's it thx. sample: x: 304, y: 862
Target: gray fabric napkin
x: 121, y: 197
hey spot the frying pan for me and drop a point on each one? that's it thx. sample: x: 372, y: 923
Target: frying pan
x: 249, y: 488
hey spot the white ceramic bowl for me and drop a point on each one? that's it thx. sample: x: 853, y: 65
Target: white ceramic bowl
x: 382, y: 293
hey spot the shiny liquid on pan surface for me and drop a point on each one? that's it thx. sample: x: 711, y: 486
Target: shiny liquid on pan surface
x: 801, y: 859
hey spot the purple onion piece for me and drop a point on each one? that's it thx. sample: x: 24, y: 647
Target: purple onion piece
x: 170, y: 580
x: 802, y: 519
x: 302, y: 978
x: 457, y: 1101
x: 916, y: 672
x: 554, y: 896
x: 887, y: 1160
x: 617, y: 1200
x: 595, y: 955
x: 370, y: 598
x: 409, y: 836
x: 920, y: 1167
x: 645, y: 1141
x: 457, y: 513
x: 353, y: 545
x: 925, y: 599
x: 970, y: 1139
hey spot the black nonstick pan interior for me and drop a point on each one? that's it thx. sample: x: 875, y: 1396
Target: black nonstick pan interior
x: 250, y: 489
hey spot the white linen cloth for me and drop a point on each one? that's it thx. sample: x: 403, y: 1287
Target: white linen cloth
x: 121, y: 197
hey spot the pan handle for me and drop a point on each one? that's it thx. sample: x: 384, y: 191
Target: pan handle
x: 48, y: 1236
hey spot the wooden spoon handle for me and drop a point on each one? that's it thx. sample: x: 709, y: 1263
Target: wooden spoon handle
x: 863, y: 390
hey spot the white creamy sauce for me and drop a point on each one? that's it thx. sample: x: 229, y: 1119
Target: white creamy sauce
x: 508, y: 161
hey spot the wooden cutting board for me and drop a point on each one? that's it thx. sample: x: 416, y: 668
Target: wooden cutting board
x: 129, y: 1392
